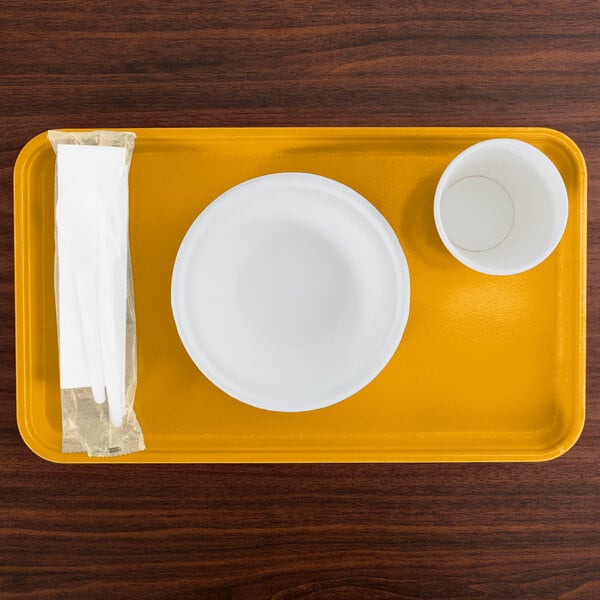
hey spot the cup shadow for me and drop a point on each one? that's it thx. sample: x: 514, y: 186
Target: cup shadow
x: 417, y: 226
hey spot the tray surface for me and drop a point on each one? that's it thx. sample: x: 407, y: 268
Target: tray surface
x: 489, y: 368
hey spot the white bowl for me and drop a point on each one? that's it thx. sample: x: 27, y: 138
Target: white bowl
x: 290, y: 292
x: 501, y: 207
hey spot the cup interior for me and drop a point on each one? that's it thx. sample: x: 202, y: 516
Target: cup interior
x: 501, y: 207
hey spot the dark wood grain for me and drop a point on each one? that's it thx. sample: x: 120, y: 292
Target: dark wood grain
x: 291, y: 532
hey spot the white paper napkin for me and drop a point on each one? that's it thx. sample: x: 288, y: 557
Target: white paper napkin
x: 92, y: 224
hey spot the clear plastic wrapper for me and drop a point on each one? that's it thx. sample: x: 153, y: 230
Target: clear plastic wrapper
x: 94, y: 293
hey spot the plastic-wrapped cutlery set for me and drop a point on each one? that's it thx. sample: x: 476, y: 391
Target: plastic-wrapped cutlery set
x: 94, y: 299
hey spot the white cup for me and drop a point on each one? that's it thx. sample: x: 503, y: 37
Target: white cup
x: 501, y: 207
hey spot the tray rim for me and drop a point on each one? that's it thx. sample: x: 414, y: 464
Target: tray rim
x: 26, y: 428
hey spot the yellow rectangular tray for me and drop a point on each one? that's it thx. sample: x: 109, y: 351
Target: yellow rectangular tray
x: 490, y: 368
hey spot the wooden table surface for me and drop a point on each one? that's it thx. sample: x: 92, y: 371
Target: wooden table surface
x: 295, y: 532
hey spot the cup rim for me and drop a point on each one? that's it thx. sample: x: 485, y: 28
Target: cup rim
x: 461, y: 256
